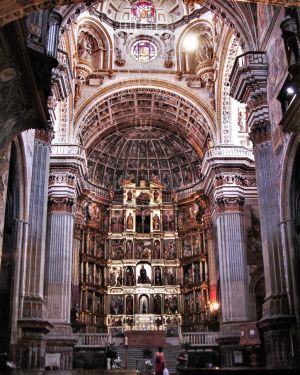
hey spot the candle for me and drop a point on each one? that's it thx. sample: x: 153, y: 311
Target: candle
x: 126, y: 340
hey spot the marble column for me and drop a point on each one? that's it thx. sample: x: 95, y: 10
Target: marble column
x: 4, y: 170
x: 67, y: 165
x: 232, y: 259
x: 231, y: 242
x: 249, y: 85
x: 60, y: 229
x: 33, y: 324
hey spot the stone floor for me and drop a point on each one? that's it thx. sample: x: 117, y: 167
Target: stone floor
x: 70, y: 372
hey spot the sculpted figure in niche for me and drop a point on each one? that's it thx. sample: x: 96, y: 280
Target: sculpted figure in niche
x: 157, y: 304
x: 129, y: 277
x: 129, y: 221
x: 86, y: 46
x: 156, y: 222
x: 205, y: 51
x: 157, y: 276
x: 129, y: 196
x: 129, y: 249
x: 155, y: 195
x: 156, y: 249
x: 129, y: 305
x: 143, y: 275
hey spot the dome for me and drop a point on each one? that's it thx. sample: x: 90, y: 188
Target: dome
x: 144, y: 153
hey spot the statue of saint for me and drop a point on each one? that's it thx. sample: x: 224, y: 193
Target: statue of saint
x: 129, y: 221
x: 143, y: 275
x: 129, y: 196
x: 155, y: 195
x: 156, y: 222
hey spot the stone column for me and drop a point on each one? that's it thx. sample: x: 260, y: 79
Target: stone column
x: 4, y: 171
x: 33, y: 324
x: 66, y: 166
x: 229, y: 221
x: 249, y: 85
x: 232, y: 259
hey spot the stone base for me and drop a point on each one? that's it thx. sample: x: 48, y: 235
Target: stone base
x: 279, y: 342
x: 31, y: 354
x: 229, y: 340
x: 60, y: 344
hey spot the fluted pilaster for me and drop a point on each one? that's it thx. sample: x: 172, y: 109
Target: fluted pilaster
x: 35, y: 260
x: 59, y: 260
x: 249, y: 85
x: 232, y: 259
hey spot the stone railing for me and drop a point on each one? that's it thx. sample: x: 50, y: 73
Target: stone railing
x: 68, y: 150
x: 199, y: 338
x: 232, y: 154
x: 91, y: 340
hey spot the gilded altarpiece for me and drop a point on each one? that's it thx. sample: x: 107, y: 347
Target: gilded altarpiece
x: 142, y: 263
x: 193, y: 237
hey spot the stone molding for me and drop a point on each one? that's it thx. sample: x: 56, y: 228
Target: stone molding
x: 61, y: 204
x: 229, y: 204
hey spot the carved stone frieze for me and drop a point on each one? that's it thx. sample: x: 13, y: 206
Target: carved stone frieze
x: 229, y: 204
x: 60, y: 204
x: 261, y: 133
x: 62, y: 178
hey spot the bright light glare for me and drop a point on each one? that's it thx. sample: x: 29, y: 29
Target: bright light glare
x: 215, y: 306
x: 190, y: 43
x: 290, y: 90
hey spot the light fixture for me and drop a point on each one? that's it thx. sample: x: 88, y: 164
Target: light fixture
x: 190, y: 42
x: 290, y: 90
x: 214, y: 306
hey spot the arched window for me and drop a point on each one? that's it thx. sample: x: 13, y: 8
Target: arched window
x: 143, y: 12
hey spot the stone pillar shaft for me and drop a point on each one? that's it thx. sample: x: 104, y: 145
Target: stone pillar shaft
x: 59, y: 260
x: 34, y: 283
x: 4, y: 170
x: 233, y: 268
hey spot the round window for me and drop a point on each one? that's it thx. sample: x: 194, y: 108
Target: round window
x: 144, y: 50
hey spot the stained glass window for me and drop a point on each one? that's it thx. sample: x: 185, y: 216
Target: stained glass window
x: 143, y: 12
x: 144, y: 50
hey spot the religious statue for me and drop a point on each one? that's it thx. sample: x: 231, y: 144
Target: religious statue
x: 129, y: 249
x: 157, y: 304
x: 129, y: 196
x: 157, y: 276
x: 129, y: 305
x: 85, y: 47
x: 155, y: 195
x: 156, y: 222
x: 143, y: 275
x: 129, y: 221
x: 156, y: 248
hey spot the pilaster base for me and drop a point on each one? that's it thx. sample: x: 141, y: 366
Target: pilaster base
x: 229, y: 339
x: 33, y: 343
x: 279, y: 342
x: 60, y: 344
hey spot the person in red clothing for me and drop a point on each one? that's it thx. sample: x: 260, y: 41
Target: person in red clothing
x: 159, y: 361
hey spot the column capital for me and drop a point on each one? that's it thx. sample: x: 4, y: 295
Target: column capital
x: 249, y: 76
x: 229, y: 204
x: 45, y: 135
x: 261, y: 133
x: 60, y: 204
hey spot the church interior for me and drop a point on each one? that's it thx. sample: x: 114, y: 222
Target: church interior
x: 149, y: 188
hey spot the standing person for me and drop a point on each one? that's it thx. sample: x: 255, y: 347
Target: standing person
x: 182, y: 359
x: 159, y: 361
